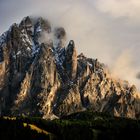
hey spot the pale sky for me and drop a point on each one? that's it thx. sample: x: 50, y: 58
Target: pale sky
x: 105, y: 29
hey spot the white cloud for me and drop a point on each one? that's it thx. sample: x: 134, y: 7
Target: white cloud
x: 125, y: 66
x: 120, y: 8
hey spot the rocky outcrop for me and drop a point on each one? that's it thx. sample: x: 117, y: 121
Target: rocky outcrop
x: 48, y: 79
x: 27, y: 24
x: 71, y: 60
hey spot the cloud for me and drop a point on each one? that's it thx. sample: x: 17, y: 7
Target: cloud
x: 120, y: 8
x: 126, y: 67
x: 101, y: 29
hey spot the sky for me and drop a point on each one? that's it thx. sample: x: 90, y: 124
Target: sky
x: 105, y: 29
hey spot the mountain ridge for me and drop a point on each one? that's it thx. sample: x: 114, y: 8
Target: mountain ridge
x: 49, y: 79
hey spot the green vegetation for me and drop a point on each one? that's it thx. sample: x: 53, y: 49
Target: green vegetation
x: 79, y: 126
x: 15, y: 128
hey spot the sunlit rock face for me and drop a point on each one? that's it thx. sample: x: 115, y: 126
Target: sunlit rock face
x: 42, y: 76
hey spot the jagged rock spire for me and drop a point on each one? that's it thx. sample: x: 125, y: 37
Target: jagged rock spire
x: 42, y: 25
x: 71, y: 60
x: 27, y: 24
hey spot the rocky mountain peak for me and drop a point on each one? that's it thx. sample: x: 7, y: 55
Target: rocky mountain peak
x: 26, y: 23
x: 42, y: 25
x: 41, y: 76
x: 71, y: 60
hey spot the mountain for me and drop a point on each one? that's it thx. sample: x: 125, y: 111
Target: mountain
x: 41, y: 76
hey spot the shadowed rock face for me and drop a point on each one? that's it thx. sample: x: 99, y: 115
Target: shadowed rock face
x: 48, y: 79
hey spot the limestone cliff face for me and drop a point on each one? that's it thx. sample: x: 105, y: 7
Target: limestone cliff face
x: 39, y: 88
x: 48, y: 79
